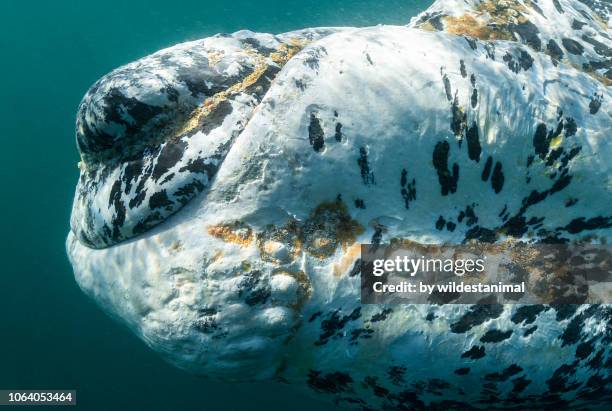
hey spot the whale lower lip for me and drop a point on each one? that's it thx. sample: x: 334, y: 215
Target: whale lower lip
x: 153, y: 134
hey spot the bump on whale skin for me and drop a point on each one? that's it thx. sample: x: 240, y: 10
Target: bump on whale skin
x: 370, y: 136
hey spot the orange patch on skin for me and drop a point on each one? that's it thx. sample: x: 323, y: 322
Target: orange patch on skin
x: 236, y: 233
x: 467, y: 25
x: 347, y: 260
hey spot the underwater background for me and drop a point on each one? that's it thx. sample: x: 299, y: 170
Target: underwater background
x: 52, y: 336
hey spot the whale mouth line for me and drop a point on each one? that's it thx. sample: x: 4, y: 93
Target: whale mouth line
x: 147, y: 151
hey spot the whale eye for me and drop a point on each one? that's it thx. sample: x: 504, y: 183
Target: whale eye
x: 152, y: 134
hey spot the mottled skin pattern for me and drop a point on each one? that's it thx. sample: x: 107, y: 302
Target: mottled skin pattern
x: 437, y: 132
x: 153, y: 133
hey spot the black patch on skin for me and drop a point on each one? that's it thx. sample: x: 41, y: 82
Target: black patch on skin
x: 512, y: 65
x: 396, y: 374
x: 570, y: 201
x: 525, y: 61
x: 558, y: 6
x: 497, y: 180
x: 159, y: 200
x: 299, y: 83
x: 571, y: 334
x: 334, y: 323
x: 206, y: 323
x: 577, y: 25
x: 435, y: 385
x: 430, y: 317
x: 517, y: 225
x: 215, y: 118
x: 255, y: 291
x: 313, y: 56
x: 338, y: 133
x: 128, y: 112
x: 447, y: 87
x: 541, y: 143
x: 490, y: 50
x: 597, y: 361
x: 580, y: 224
x: 314, y: 316
x: 471, y: 42
x: 188, y: 191
x: 560, y: 378
x: 482, y: 234
x: 595, y: 103
x: 462, y: 68
x: 448, y: 181
x: 458, y: 118
x: 486, y: 171
x: 505, y: 374
x: 369, y: 59
x: 359, y: 203
x: 450, y: 226
x: 495, y: 336
x: 572, y: 46
x: 170, y: 154
x: 476, y: 315
x: 200, y: 166
x: 528, y: 32
x: 171, y: 93
x: 474, y: 98
x: 119, y: 215
x: 372, y: 382
x: 570, y: 127
x: 528, y: 313
x: 584, y: 349
x: 537, y: 8
x: 137, y: 199
x: 440, y: 223
x: 474, y: 353
x: 150, y: 221
x: 473, y: 142
x: 408, y: 190
x: 469, y: 213
x: 377, y: 236
x: 331, y: 383
x: 140, y: 191
x: 564, y: 311
x: 599, y: 65
x: 471, y: 216
x: 530, y: 331
x: 131, y: 173
x: 166, y: 179
x: 255, y: 44
x: 315, y: 134
x: 554, y: 51
x: 554, y: 156
x: 462, y: 371
x: 519, y: 384
x: 366, y: 175
x: 381, y: 316
x: 436, y: 22
x: 598, y: 47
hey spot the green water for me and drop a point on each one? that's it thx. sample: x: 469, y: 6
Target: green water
x: 52, y: 336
